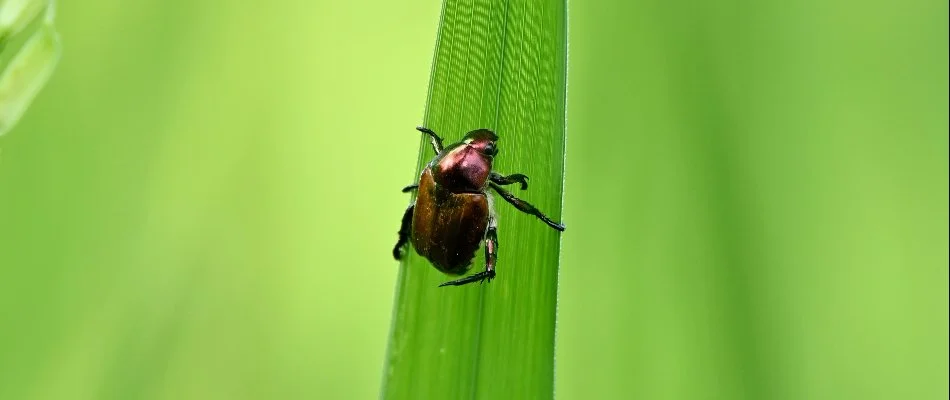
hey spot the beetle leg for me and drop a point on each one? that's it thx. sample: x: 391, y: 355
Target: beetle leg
x: 403, y: 232
x: 525, y: 207
x: 491, y: 254
x: 410, y: 188
x: 507, y: 180
x: 436, y: 140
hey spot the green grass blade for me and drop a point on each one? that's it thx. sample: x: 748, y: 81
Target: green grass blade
x: 498, y: 65
x: 30, y: 67
x: 17, y: 14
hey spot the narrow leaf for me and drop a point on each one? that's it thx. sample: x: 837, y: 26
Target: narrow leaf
x: 499, y: 65
x: 26, y: 74
x: 17, y: 14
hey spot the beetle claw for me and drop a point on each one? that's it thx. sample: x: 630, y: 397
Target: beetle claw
x: 523, y: 180
x: 480, y: 277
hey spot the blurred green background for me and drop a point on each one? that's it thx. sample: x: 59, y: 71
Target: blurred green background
x: 202, y: 202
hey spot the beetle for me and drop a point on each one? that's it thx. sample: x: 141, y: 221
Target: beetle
x: 454, y: 211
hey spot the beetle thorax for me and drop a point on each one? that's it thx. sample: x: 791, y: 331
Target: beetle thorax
x: 462, y: 169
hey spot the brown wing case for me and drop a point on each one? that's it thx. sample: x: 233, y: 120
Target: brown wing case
x: 447, y: 228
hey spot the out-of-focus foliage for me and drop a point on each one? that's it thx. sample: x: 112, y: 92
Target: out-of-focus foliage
x: 757, y: 195
x: 27, y: 56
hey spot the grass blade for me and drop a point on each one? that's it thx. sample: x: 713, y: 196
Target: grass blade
x: 27, y: 72
x: 17, y: 14
x: 499, y: 65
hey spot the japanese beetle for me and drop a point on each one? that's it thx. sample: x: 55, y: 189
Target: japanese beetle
x: 454, y: 211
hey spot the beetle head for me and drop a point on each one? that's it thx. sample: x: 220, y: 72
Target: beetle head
x: 482, y: 140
